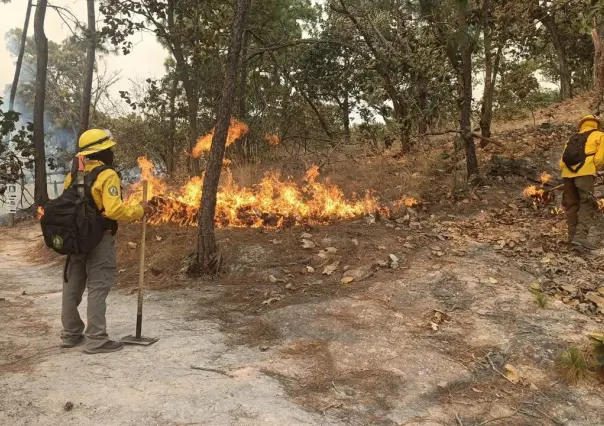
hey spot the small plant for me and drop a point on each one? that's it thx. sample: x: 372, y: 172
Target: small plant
x: 572, y: 365
x: 541, y: 298
x: 598, y: 346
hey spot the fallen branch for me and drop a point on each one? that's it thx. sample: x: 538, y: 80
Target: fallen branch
x: 212, y: 370
x: 561, y: 186
x: 496, y: 419
x: 330, y: 406
x: 474, y: 135
x: 496, y: 370
x: 489, y: 140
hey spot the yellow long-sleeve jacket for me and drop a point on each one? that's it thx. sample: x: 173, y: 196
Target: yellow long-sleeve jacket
x: 594, y: 148
x: 106, y: 192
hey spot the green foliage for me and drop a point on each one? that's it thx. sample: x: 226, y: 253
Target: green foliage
x: 14, y: 139
x: 541, y: 299
x: 309, y: 63
x: 519, y: 91
x: 572, y: 365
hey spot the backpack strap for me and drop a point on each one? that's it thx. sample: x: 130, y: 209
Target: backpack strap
x: 91, y: 177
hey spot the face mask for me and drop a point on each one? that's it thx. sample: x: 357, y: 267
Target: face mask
x: 110, y: 157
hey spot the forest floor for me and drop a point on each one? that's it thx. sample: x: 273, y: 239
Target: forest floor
x: 429, y: 319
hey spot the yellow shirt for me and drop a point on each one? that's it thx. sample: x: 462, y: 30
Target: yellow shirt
x: 594, y: 148
x: 106, y: 193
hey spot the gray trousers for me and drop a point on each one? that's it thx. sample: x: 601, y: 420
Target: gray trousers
x: 95, y: 270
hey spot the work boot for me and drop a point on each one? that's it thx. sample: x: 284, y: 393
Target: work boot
x: 585, y: 243
x: 108, y: 347
x: 72, y: 343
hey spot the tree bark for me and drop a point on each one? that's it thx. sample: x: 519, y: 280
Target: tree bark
x: 183, y: 73
x: 170, y: 142
x: 240, y: 145
x: 486, y: 111
x: 243, y: 78
x: 422, y: 100
x: 13, y: 88
x: 598, y: 72
x: 40, y: 189
x: 346, y: 116
x: 465, y: 91
x: 208, y: 259
x: 89, y: 74
x: 566, y: 91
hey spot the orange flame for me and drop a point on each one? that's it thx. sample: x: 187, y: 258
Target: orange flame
x: 155, y: 186
x: 533, y: 192
x: 273, y: 202
x: 407, y: 202
x: 545, y: 178
x: 237, y: 129
x: 40, y: 212
x: 272, y: 140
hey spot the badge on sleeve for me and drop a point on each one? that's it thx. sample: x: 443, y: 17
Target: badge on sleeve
x: 113, y: 191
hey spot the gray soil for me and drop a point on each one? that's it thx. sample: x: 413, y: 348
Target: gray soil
x: 366, y: 355
x: 156, y: 385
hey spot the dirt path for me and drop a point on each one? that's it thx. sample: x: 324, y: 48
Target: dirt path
x: 311, y: 353
x: 137, y: 386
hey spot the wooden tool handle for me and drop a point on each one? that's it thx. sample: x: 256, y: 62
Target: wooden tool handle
x: 141, y: 273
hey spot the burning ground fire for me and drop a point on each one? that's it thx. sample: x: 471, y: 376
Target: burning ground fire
x: 271, y: 203
x: 541, y: 196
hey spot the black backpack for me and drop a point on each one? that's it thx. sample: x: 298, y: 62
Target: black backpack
x: 574, y: 155
x: 72, y: 223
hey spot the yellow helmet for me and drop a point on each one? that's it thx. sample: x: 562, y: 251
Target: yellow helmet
x: 589, y: 117
x: 95, y: 140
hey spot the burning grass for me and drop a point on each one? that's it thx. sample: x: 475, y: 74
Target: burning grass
x: 273, y: 202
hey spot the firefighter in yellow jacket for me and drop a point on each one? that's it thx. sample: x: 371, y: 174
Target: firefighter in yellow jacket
x: 97, y: 269
x: 579, y: 201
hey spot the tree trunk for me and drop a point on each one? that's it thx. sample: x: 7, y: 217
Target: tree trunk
x: 13, y: 88
x: 346, y: 116
x: 566, y: 91
x: 422, y: 100
x: 240, y: 145
x: 465, y: 91
x: 182, y: 69
x: 207, y: 254
x: 598, y: 76
x: 170, y: 142
x: 40, y: 190
x: 403, y: 126
x: 193, y: 106
x: 89, y: 74
x: 243, y: 78
x: 486, y: 112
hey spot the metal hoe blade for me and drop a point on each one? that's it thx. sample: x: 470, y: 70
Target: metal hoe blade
x: 142, y: 341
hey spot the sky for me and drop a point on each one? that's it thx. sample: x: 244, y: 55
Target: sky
x: 145, y: 61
